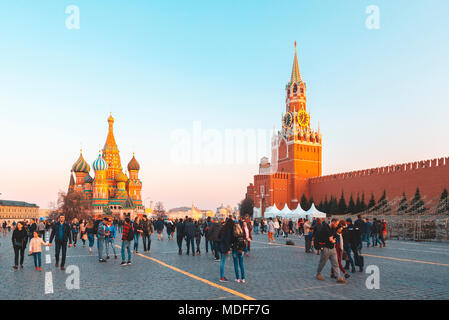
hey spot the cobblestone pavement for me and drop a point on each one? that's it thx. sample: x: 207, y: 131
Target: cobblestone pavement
x: 408, y: 270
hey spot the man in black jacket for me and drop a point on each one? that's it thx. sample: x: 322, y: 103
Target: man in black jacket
x: 213, y: 236
x: 361, y: 225
x: 189, y: 231
x: 61, y: 233
x: 179, y: 234
x: 351, y: 244
x: 147, y: 233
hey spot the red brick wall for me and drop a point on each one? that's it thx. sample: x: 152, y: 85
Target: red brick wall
x: 431, y: 176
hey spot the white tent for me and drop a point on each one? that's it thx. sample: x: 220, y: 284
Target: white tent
x: 298, y: 212
x: 285, y: 212
x: 315, y: 213
x: 271, y: 212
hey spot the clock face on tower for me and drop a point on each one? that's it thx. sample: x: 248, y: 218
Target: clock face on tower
x: 303, y: 118
x: 287, y: 121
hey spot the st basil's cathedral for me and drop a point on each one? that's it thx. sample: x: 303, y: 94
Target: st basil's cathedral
x: 110, y: 190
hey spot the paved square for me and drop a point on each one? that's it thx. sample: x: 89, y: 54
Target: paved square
x: 408, y: 270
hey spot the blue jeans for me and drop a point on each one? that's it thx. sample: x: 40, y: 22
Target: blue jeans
x: 366, y: 238
x: 126, y: 244
x: 91, y: 238
x: 190, y: 242
x: 110, y: 243
x: 238, y: 261
x: 222, y: 263
x: 136, y: 241
x: 37, y: 259
x: 256, y: 229
x: 376, y: 239
x: 100, y: 245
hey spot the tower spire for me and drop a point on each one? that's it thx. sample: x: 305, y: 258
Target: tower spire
x: 296, y: 75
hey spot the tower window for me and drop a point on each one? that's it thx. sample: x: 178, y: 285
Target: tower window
x: 295, y: 88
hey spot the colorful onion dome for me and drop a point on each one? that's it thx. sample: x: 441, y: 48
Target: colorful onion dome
x: 133, y: 164
x: 121, y: 177
x: 100, y: 164
x: 88, y: 179
x: 81, y: 165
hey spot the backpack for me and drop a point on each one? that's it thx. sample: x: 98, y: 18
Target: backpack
x: 239, y: 244
x: 130, y: 236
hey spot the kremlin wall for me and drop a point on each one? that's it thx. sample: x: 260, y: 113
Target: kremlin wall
x: 430, y: 176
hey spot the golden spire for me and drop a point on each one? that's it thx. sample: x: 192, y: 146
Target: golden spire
x: 296, y: 75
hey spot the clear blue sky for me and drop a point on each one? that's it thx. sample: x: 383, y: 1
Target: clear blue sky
x: 381, y: 96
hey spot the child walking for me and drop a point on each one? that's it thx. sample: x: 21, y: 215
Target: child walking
x: 36, y: 249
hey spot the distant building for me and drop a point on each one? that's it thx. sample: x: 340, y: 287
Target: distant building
x: 18, y: 210
x: 191, y: 212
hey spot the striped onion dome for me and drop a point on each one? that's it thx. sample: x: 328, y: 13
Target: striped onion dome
x: 133, y: 164
x: 88, y: 179
x: 100, y: 164
x: 121, y: 177
x: 81, y: 165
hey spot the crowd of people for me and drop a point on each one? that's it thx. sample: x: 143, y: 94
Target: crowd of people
x: 335, y: 240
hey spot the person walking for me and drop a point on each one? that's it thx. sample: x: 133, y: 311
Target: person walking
x: 62, y: 235
x: 74, y: 226
x: 382, y: 232
x: 148, y: 231
x: 327, y: 239
x: 159, y: 229
x: 285, y: 228
x: 368, y: 231
x: 315, y: 230
x: 375, y: 233
x: 340, y: 249
x: 270, y: 230
x: 206, y: 227
x: 41, y: 229
x: 351, y: 244
x: 256, y: 226
x: 361, y: 226
x: 213, y: 236
x: 247, y: 236
x: 138, y: 230
x: 90, y: 229
x: 36, y: 250
x: 238, y: 245
x: 168, y: 229
x: 225, y: 242
x: 31, y: 227
x: 127, y: 237
x: 110, y: 235
x: 180, y: 233
x: 190, y: 235
x: 101, y: 238
x: 198, y: 235
x: 308, y: 235
x: 276, y: 227
x: 83, y: 232
x: 19, y: 241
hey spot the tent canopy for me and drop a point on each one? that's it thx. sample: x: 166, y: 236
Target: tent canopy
x: 313, y: 212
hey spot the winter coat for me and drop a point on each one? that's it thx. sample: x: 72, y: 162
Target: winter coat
x: 213, y: 234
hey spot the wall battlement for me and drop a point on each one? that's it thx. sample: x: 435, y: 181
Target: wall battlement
x: 403, y: 168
